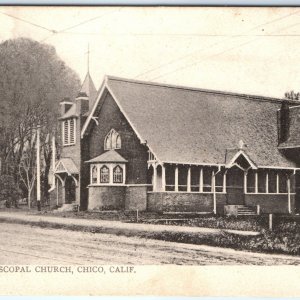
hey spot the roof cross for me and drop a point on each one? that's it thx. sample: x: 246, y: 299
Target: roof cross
x: 242, y: 145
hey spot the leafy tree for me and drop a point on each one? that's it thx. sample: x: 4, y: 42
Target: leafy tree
x: 292, y: 95
x: 33, y: 81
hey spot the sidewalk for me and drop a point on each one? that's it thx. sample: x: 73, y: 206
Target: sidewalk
x: 110, y: 226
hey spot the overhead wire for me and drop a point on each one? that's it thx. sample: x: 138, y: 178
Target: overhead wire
x: 54, y: 32
x: 214, y: 44
x: 217, y: 54
x: 79, y: 24
x: 28, y: 22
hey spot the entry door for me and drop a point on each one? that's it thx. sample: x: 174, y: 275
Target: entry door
x: 70, y: 190
x: 235, y: 186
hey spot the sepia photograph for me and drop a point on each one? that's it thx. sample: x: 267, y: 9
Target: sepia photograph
x: 148, y: 136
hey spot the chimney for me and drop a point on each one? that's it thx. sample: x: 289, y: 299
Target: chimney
x: 65, y: 105
x: 82, y: 103
x: 284, y: 122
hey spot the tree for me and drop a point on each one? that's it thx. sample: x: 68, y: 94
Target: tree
x: 292, y: 95
x: 33, y: 81
x: 27, y: 166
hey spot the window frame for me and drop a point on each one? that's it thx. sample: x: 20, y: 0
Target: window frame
x: 119, y: 174
x: 272, y: 181
x: 113, y: 136
x: 92, y: 174
x: 101, y: 175
x: 111, y: 180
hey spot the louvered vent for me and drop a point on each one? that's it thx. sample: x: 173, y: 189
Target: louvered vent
x: 72, y: 132
x: 66, y: 132
x: 69, y: 132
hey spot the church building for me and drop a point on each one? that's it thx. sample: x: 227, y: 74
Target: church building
x: 158, y: 147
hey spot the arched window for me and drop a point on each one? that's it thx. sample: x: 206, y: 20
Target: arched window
x: 104, y: 174
x: 118, y: 174
x: 107, y: 144
x: 112, y: 140
x: 94, y: 174
x: 118, y: 142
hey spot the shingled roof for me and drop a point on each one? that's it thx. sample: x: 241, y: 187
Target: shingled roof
x: 107, y: 157
x: 70, y: 113
x: 67, y: 165
x: 194, y: 126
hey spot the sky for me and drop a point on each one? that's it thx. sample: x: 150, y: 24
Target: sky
x: 245, y: 50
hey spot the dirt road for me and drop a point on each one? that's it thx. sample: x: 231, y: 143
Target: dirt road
x: 23, y: 244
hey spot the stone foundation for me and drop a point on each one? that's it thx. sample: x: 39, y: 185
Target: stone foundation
x: 136, y: 198
x: 184, y: 202
x: 270, y: 203
x: 106, y: 197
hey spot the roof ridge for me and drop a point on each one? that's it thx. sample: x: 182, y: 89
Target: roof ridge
x: 234, y: 94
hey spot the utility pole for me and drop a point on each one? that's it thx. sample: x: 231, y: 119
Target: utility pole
x: 38, y: 171
x: 53, y: 157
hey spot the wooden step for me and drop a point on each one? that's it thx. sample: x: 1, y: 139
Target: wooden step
x: 246, y: 211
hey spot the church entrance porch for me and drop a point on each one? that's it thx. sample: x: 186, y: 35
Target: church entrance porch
x: 66, y: 189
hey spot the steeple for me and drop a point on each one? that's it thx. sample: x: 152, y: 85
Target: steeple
x: 89, y: 89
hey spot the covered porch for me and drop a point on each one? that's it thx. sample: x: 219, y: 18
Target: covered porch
x: 239, y: 182
x: 66, y: 187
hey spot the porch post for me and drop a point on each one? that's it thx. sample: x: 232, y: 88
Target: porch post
x: 245, y: 182
x: 224, y: 182
x: 267, y: 183
x: 277, y: 183
x: 256, y: 182
x: 214, y: 191
x: 189, y: 180
x: 56, y: 191
x: 154, y: 183
x: 63, y: 194
x: 91, y: 174
x: 201, y: 181
x: 163, y: 177
x: 176, y: 178
x: 289, y: 194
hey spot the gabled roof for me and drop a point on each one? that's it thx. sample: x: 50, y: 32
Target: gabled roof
x: 109, y: 156
x: 236, y: 156
x: 195, y: 126
x: 66, y: 165
x: 70, y: 113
